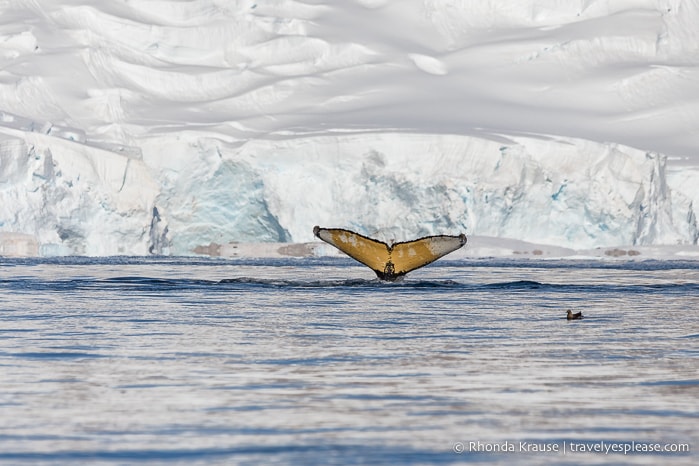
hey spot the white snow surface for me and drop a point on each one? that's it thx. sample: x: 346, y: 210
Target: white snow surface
x: 151, y: 126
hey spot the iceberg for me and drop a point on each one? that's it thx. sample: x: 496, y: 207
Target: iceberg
x: 162, y: 128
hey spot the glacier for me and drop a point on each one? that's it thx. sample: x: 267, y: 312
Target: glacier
x: 147, y: 127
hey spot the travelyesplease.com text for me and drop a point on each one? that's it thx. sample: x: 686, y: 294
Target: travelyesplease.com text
x: 565, y: 447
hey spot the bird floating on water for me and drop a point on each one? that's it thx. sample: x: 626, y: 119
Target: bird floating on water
x: 574, y: 316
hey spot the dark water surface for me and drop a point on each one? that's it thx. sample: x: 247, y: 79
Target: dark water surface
x: 310, y: 361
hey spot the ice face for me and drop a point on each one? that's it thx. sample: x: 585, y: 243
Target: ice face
x: 74, y: 198
x: 562, y: 191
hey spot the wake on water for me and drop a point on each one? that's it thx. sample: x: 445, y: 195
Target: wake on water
x: 241, y: 283
x: 406, y: 283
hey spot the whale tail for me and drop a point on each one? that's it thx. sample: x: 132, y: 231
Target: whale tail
x: 394, y: 261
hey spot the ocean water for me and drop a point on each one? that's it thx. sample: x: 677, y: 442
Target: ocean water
x: 312, y: 361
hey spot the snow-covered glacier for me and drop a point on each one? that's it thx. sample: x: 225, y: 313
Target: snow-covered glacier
x: 159, y: 127
x: 82, y: 200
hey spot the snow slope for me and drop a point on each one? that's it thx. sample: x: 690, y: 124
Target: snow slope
x: 146, y: 126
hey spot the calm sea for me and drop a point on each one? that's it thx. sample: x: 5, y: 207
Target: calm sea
x: 310, y: 361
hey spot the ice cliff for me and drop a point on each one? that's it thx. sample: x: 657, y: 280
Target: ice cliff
x: 82, y: 200
x: 147, y: 127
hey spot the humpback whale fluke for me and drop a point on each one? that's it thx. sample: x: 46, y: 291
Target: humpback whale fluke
x: 394, y: 261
